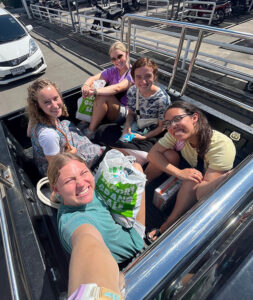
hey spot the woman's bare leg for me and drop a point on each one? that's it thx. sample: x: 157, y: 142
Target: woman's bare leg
x: 186, y: 198
x: 91, y: 261
x: 153, y: 172
x: 104, y: 106
x: 142, y: 212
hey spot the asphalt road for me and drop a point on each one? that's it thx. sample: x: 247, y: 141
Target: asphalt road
x: 69, y: 63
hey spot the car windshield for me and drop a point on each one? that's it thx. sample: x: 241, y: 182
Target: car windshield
x: 10, y: 29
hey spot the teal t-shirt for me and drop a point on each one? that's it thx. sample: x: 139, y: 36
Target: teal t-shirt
x: 123, y: 243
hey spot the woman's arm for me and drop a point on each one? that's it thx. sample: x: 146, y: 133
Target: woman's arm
x: 210, y: 181
x: 91, y: 261
x: 159, y: 157
x: 87, y: 88
x: 129, y: 121
x: 29, y: 128
x: 114, y: 88
x: 159, y: 129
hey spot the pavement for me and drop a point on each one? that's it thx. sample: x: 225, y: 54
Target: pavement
x: 71, y: 58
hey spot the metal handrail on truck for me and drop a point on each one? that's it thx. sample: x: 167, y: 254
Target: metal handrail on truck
x: 178, y: 246
x: 202, y: 29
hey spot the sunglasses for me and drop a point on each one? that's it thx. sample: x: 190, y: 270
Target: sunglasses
x: 113, y: 59
x: 168, y: 123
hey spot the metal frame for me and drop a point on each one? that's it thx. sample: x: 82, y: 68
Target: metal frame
x: 179, y: 244
x: 202, y: 29
x: 187, y: 8
x: 8, y: 252
x: 156, y: 7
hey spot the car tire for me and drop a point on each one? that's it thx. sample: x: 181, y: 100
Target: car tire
x: 249, y: 87
x: 218, y: 17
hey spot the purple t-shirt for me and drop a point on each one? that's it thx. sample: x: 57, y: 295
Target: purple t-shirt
x: 112, y: 76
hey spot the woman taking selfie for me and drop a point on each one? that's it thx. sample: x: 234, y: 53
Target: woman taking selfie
x: 110, y: 101
x: 51, y: 136
x: 192, y: 152
x: 87, y: 229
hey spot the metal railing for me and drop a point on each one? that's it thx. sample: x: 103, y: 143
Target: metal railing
x: 52, y: 15
x: 6, y: 237
x: 184, y: 49
x: 188, y: 50
x: 198, y: 10
x: 178, y: 246
x: 87, y: 25
x: 154, y: 6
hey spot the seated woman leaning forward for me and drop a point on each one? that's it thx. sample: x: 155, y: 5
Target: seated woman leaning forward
x: 87, y: 229
x: 49, y: 135
x: 110, y: 101
x: 189, y: 138
x: 147, y: 104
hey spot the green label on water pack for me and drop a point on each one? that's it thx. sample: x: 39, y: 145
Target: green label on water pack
x: 86, y: 106
x: 120, y: 197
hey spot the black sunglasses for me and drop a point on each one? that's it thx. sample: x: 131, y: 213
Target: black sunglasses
x: 113, y: 59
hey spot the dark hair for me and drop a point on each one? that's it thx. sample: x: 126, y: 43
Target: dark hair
x: 204, y: 130
x: 142, y: 62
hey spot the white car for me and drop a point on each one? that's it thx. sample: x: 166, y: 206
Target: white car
x: 20, y: 56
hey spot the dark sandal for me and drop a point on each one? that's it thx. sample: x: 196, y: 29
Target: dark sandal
x: 150, y: 240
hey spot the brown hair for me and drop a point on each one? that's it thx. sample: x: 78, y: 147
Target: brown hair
x: 36, y: 114
x: 56, y: 163
x: 142, y: 62
x: 204, y: 130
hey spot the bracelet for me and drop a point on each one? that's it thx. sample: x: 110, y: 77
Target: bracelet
x: 86, y: 85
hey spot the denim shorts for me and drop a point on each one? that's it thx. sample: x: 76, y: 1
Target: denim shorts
x: 123, y: 112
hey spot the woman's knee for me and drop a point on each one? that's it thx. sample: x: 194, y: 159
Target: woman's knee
x: 189, y: 186
x: 172, y: 156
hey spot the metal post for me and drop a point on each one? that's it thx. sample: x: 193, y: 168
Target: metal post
x: 71, y: 15
x: 179, y: 49
x: 26, y: 9
x: 8, y: 252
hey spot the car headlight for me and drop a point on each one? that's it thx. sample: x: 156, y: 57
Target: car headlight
x: 33, y: 47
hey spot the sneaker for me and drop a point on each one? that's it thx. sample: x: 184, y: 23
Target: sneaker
x: 83, y: 125
x: 87, y: 132
x: 93, y: 292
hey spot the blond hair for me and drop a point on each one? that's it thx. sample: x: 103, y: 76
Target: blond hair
x: 35, y: 113
x: 117, y: 46
x: 56, y: 163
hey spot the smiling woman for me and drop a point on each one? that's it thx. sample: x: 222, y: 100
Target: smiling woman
x: 110, y: 102
x: 51, y: 136
x: 87, y: 229
x: 192, y: 152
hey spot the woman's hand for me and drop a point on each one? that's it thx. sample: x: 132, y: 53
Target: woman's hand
x: 87, y: 91
x: 139, y: 136
x: 126, y: 130
x: 190, y: 174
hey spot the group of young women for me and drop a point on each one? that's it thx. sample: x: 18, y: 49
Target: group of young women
x: 173, y: 139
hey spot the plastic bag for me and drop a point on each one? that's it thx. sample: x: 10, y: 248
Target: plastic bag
x: 85, y: 105
x: 121, y: 186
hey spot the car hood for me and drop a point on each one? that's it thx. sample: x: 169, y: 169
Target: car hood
x: 14, y: 49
